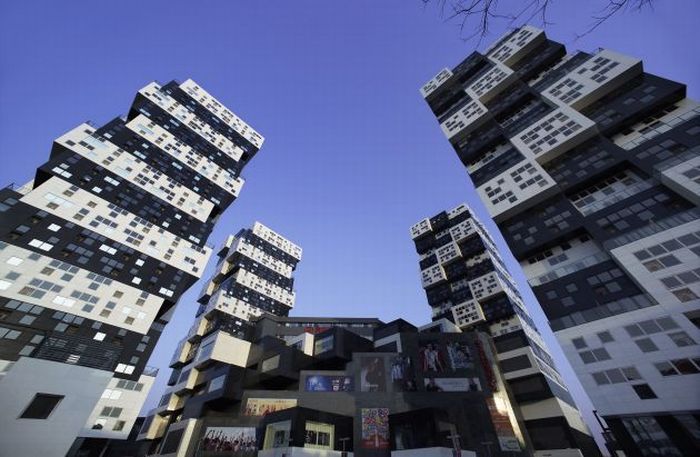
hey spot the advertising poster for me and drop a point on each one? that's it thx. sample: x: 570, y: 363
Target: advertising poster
x: 323, y: 344
x: 402, y: 374
x: 504, y: 429
x: 263, y: 406
x: 372, y: 376
x: 375, y: 428
x: 459, y: 356
x: 432, y: 358
x: 233, y: 441
x: 324, y: 383
x: 452, y: 384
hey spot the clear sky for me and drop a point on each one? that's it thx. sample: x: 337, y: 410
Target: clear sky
x: 353, y: 156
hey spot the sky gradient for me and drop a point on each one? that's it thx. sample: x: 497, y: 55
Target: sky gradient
x: 353, y: 156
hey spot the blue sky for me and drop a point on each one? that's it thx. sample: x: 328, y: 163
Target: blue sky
x: 352, y: 157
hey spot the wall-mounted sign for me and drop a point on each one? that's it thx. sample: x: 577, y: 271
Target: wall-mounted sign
x: 325, y: 383
x: 452, y: 384
x: 231, y: 441
x: 263, y: 406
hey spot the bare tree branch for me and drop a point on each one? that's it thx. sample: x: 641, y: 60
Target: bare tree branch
x: 477, y: 15
x: 612, y: 8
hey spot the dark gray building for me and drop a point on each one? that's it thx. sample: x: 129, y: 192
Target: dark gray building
x: 321, y: 386
x: 467, y: 283
x: 96, y: 250
x: 589, y: 165
x: 248, y: 373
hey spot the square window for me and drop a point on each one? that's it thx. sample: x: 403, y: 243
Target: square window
x: 685, y: 295
x: 615, y: 376
x: 685, y: 366
x: 14, y: 261
x: 682, y: 339
x: 666, y: 369
x: 579, y: 343
x: 650, y: 327
x: 644, y: 391
x: 587, y: 357
x: 601, y: 354
x: 666, y: 323
x: 600, y: 378
x: 119, y: 426
x: 631, y: 374
x: 41, y: 406
x: 27, y: 320
x: 646, y: 345
x: 605, y: 337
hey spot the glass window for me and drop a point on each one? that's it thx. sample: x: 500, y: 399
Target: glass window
x: 650, y: 327
x: 605, y: 337
x: 666, y: 369
x: 646, y: 345
x: 601, y: 354
x: 685, y: 366
x: 634, y: 330
x: 319, y: 435
x: 615, y: 376
x: 579, y: 343
x: 681, y: 339
x: 41, y: 406
x: 277, y: 435
x: 667, y: 323
x: 587, y: 357
x: 600, y: 378
x: 631, y: 374
x: 515, y: 363
x: 644, y: 391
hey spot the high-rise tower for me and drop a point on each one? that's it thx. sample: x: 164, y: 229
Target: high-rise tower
x: 467, y: 283
x: 253, y: 277
x: 590, y: 166
x: 249, y: 380
x: 94, y: 254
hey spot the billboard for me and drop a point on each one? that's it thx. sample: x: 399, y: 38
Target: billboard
x: 432, y: 358
x: 402, y: 376
x: 263, y: 406
x: 325, y: 383
x: 372, y: 375
x: 375, y: 428
x: 233, y: 441
x: 459, y: 356
x: 452, y: 384
x: 501, y: 422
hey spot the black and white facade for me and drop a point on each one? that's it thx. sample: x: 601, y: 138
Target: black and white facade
x: 252, y: 278
x: 467, y: 283
x: 94, y: 254
x: 591, y: 168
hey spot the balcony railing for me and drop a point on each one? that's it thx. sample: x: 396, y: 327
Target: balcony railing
x: 78, y: 350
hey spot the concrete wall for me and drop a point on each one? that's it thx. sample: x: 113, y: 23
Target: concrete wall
x: 51, y: 437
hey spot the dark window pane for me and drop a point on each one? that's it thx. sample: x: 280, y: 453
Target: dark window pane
x: 646, y: 345
x: 516, y: 363
x: 644, y: 391
x: 685, y: 366
x: 41, y: 406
